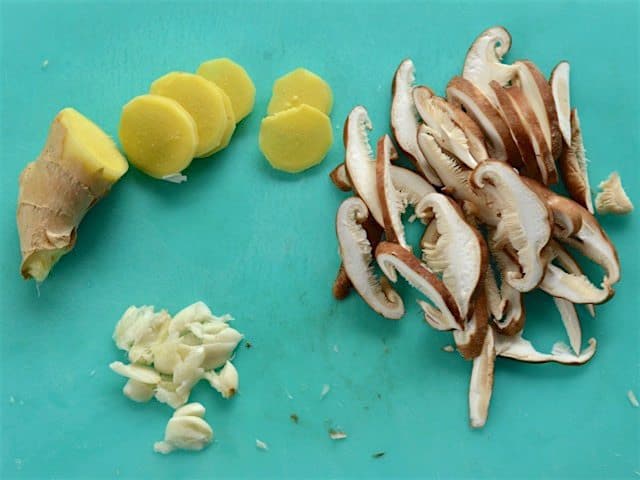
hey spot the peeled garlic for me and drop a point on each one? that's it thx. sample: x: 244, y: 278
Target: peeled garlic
x: 138, y: 391
x: 186, y: 430
x: 226, y: 381
x: 139, y: 373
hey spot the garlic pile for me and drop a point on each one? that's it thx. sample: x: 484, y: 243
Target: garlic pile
x: 170, y: 355
x: 483, y: 158
x: 186, y: 430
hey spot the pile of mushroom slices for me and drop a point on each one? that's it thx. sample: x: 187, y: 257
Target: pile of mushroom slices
x: 484, y: 157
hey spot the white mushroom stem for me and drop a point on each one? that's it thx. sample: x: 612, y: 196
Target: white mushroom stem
x: 560, y: 91
x: 392, y: 259
x: 404, y: 119
x: 356, y: 254
x: 481, y: 382
x: 573, y: 166
x: 525, y: 222
x: 517, y: 348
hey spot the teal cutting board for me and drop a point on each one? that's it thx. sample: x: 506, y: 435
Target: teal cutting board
x: 261, y: 245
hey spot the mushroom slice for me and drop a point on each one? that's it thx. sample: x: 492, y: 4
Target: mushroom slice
x: 495, y: 303
x: 470, y: 340
x: 525, y: 221
x: 560, y: 90
x: 612, y: 198
x: 513, y: 315
x: 500, y: 145
x: 392, y: 258
x: 355, y: 251
x: 517, y: 348
x: 573, y: 166
x: 545, y: 161
x: 435, y: 114
x: 569, y: 282
x: 359, y: 160
x: 391, y: 201
x: 340, y: 178
x: 575, y: 226
x: 481, y: 382
x: 475, y: 137
x: 410, y: 185
x: 571, y: 323
x: 517, y: 125
x: 404, y: 119
x: 459, y: 251
x: 483, y: 62
x: 537, y: 90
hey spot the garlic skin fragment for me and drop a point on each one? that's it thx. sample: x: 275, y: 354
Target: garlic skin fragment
x: 612, y: 198
x: 186, y: 430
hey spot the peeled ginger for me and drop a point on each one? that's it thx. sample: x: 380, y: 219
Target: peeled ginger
x: 204, y: 102
x: 295, y: 139
x: 158, y: 135
x: 77, y: 167
x: 234, y: 81
x: 300, y: 87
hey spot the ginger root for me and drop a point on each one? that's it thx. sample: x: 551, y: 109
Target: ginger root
x: 77, y: 167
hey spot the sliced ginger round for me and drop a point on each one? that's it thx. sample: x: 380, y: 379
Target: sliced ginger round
x: 235, y: 82
x: 231, y: 126
x: 204, y: 102
x: 158, y: 135
x: 295, y: 139
x: 300, y: 87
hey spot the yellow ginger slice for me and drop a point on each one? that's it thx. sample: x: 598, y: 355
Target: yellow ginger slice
x: 158, y: 136
x: 231, y: 126
x: 78, y: 165
x: 295, y: 139
x: 234, y: 81
x: 204, y: 102
x: 300, y: 87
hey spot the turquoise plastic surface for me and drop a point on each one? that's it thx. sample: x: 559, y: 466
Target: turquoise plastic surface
x: 261, y: 245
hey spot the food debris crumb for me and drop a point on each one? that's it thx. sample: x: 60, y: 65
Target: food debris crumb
x: 12, y: 399
x: 337, y: 434
x: 448, y: 348
x: 92, y: 373
x: 632, y: 398
x: 248, y: 344
x: 261, y: 445
x: 45, y: 64
x: 325, y: 390
x: 378, y: 455
x: 294, y: 418
x: 412, y: 218
x: 336, y: 349
x: 379, y: 395
x: 18, y: 463
x: 288, y: 395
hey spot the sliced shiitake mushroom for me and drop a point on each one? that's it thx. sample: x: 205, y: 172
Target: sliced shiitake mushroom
x: 567, y: 280
x: 404, y: 121
x: 470, y: 339
x: 340, y: 178
x: 571, y: 323
x: 355, y: 251
x: 517, y: 348
x: 360, y: 162
x: 391, y: 200
x: 538, y: 92
x: 573, y: 166
x: 472, y: 131
x: 474, y: 102
x: 544, y: 159
x: 392, y: 258
x: 525, y: 221
x: 560, y: 90
x: 481, y: 382
x: 576, y: 227
x: 459, y: 252
x: 434, y: 112
x: 513, y: 315
x: 483, y: 62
